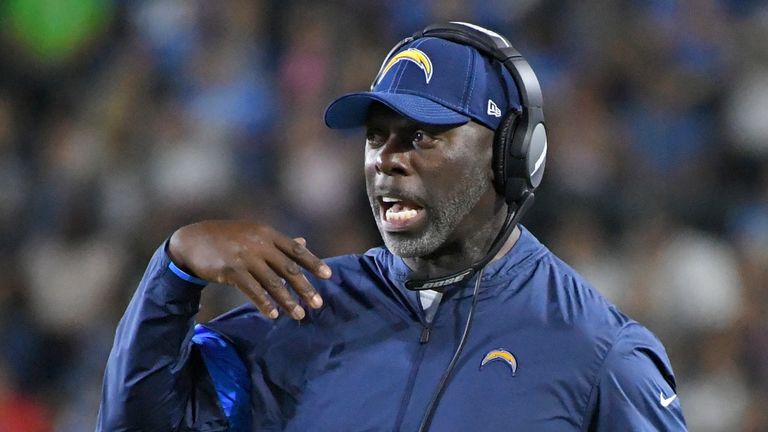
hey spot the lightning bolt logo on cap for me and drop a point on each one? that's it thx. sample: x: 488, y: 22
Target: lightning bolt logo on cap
x: 501, y: 355
x: 413, y: 55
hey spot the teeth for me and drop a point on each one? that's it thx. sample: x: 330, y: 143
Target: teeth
x: 402, y: 215
x: 389, y: 199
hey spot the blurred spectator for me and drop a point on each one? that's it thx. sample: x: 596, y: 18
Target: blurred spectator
x: 718, y: 397
x: 14, y: 175
x: 53, y: 32
x: 19, y: 413
x: 70, y: 280
x: 747, y: 110
x: 692, y: 284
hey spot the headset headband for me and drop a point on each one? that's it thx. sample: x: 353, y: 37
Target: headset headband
x: 496, y: 46
x: 517, y: 173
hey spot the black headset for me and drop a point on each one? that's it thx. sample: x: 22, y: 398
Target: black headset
x: 520, y: 140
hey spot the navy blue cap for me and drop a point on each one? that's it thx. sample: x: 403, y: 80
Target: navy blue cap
x: 433, y: 81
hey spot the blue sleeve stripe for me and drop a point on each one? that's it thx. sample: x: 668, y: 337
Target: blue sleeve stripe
x: 186, y: 276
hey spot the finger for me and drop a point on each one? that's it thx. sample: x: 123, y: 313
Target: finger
x: 300, y: 240
x: 292, y: 273
x: 251, y: 288
x: 273, y: 284
x: 299, y: 253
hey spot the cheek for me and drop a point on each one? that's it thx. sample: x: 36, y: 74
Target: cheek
x: 369, y: 161
x: 467, y: 164
x: 442, y: 183
x: 369, y: 167
x: 455, y: 177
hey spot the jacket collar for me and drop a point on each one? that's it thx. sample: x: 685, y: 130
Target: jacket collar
x: 520, y: 258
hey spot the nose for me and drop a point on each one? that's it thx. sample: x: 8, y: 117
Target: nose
x: 392, y: 159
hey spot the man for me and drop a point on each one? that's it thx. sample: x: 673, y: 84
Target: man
x: 521, y: 343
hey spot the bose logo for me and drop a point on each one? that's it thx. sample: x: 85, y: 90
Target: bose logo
x: 437, y: 284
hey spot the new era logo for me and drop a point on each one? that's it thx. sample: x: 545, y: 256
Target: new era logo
x: 493, y: 109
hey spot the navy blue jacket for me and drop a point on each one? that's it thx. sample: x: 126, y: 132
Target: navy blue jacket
x: 546, y: 353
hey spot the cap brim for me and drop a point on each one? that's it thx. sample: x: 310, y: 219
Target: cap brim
x: 351, y: 110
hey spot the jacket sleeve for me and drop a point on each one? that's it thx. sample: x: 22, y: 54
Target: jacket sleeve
x: 636, y: 388
x: 156, y: 379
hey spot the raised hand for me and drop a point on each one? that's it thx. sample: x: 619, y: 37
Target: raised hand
x: 260, y: 261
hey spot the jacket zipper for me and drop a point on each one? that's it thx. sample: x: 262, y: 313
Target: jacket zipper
x: 426, y: 329
x: 409, y: 387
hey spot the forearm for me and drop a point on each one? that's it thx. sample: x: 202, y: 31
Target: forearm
x: 149, y: 381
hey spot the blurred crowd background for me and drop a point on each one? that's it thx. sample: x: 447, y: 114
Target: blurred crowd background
x: 122, y: 120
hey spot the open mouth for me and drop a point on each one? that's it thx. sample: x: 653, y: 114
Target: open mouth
x: 398, y: 214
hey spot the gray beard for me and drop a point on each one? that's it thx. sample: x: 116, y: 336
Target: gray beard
x: 443, y: 219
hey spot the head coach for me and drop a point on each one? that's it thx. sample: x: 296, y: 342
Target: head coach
x: 463, y: 321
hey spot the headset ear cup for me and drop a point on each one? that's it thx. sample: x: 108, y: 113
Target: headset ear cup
x: 502, y: 139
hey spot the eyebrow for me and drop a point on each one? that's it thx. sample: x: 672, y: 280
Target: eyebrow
x: 412, y: 124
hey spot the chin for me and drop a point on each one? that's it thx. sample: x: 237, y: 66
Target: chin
x: 410, y: 247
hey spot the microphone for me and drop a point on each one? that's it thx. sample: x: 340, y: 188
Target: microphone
x: 513, y: 217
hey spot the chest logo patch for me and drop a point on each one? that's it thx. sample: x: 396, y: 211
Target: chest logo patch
x: 503, y: 356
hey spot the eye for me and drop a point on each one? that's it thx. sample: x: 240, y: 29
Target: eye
x: 422, y: 139
x: 374, y: 138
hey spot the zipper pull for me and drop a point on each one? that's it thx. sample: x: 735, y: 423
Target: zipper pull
x: 424, y: 334
x: 429, y: 312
